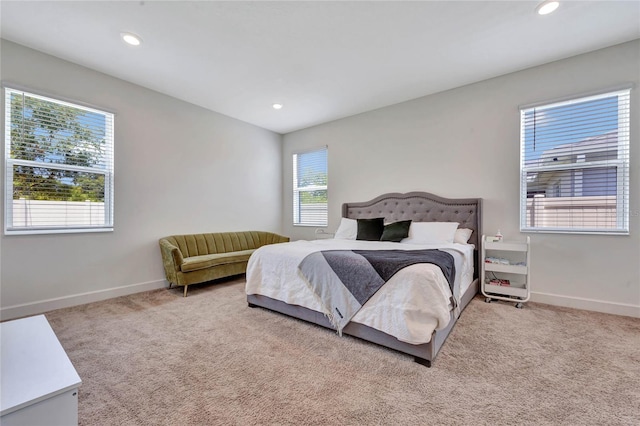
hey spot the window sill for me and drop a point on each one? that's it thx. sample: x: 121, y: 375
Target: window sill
x: 56, y: 231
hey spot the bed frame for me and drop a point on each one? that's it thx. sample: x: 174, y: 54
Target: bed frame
x: 419, y: 207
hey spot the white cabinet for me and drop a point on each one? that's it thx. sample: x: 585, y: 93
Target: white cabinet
x: 38, y: 382
x: 505, y: 270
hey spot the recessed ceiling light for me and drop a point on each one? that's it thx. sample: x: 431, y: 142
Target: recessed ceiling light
x: 546, y: 7
x: 277, y: 106
x: 131, y: 39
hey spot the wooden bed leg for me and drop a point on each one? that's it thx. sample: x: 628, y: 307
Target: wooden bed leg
x: 423, y: 361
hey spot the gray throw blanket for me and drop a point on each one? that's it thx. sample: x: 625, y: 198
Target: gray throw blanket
x: 343, y: 280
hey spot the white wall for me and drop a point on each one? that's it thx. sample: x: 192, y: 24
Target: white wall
x: 465, y: 143
x: 178, y: 169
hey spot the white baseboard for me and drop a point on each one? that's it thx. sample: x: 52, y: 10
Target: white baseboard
x: 35, y: 308
x: 587, y: 304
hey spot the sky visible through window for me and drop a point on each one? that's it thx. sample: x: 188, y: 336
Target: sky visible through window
x: 312, y: 168
x: 566, y: 124
x: 92, y: 123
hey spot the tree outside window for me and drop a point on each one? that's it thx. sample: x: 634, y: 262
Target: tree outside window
x: 60, y: 164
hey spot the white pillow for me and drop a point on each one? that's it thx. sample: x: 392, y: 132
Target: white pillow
x: 431, y: 232
x: 462, y: 235
x: 348, y: 229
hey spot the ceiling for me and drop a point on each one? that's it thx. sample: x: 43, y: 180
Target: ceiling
x: 321, y: 60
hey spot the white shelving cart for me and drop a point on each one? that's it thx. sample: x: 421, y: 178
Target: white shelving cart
x: 510, y: 262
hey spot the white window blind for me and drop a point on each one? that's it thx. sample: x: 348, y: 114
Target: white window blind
x: 310, y: 188
x: 59, y: 166
x: 575, y: 165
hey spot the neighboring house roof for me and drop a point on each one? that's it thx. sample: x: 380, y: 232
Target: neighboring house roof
x: 595, y: 146
x: 600, y: 143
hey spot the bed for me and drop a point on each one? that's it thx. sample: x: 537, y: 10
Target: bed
x: 274, y: 281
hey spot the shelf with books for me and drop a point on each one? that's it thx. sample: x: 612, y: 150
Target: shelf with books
x: 505, y: 270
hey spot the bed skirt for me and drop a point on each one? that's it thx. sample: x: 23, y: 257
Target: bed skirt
x: 424, y: 353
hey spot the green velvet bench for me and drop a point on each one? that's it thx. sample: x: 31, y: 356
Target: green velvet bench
x: 197, y: 258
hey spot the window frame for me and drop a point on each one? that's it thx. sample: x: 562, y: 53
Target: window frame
x: 107, y: 171
x: 621, y: 163
x: 310, y: 188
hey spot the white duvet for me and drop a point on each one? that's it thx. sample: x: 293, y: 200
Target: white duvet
x: 410, y: 306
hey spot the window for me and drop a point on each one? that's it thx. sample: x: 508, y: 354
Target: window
x: 59, y: 166
x: 310, y: 188
x: 575, y: 165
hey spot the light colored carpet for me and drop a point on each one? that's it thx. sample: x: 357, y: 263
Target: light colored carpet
x: 157, y: 358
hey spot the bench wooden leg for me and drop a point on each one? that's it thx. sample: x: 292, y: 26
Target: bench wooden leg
x: 185, y: 290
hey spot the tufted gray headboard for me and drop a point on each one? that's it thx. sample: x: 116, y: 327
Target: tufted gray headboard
x: 422, y: 207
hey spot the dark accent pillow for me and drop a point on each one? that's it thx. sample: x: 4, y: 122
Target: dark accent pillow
x: 396, y: 231
x: 370, y: 229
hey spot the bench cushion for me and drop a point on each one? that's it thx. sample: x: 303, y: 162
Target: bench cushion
x: 195, y: 263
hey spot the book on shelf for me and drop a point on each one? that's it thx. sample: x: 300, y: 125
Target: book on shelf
x: 496, y: 281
